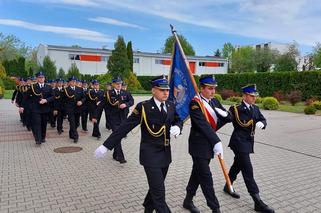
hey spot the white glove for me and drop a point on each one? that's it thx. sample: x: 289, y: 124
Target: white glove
x: 100, y: 151
x: 175, y: 130
x: 221, y: 112
x: 218, y: 149
x: 259, y: 125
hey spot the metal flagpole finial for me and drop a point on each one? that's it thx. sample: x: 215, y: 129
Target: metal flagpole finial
x: 172, y: 28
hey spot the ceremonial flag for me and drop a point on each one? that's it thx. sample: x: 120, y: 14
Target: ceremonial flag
x: 181, y: 85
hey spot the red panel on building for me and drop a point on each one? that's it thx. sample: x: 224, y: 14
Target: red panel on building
x: 211, y: 64
x: 90, y: 58
x: 192, y: 66
x: 166, y: 62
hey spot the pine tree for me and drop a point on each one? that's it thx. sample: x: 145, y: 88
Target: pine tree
x: 61, y: 73
x: 49, y: 68
x: 130, y: 55
x: 118, y: 63
x: 73, y: 71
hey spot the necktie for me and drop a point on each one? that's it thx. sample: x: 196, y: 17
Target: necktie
x: 163, y: 111
x: 251, y: 109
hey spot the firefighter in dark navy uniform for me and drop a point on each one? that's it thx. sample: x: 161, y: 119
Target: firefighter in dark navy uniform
x: 85, y: 107
x: 117, y: 101
x: 96, y: 96
x: 246, y: 118
x: 59, y: 111
x: 73, y: 98
x: 40, y: 95
x: 204, y: 142
x: 158, y: 119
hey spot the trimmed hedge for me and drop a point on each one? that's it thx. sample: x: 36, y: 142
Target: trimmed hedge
x: 308, y: 82
x: 270, y: 103
x: 310, y: 110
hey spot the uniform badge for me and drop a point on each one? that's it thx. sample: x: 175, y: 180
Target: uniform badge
x: 195, y: 107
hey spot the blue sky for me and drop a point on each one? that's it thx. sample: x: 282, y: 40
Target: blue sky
x: 207, y: 24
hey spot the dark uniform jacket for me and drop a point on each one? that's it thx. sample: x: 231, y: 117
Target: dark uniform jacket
x: 58, y: 102
x: 94, y: 97
x: 242, y: 139
x: 35, y: 94
x: 202, y: 136
x: 117, y: 115
x: 71, y: 97
x: 154, y: 151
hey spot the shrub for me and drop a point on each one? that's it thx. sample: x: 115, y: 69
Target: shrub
x: 310, y: 101
x: 295, y: 97
x: 218, y: 97
x: 227, y: 93
x: 1, y: 89
x: 259, y: 100
x: 270, y: 103
x: 278, y: 95
x: 310, y: 110
x: 317, y: 105
x: 133, y: 83
x: 235, y: 99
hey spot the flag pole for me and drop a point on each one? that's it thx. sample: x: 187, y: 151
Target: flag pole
x: 227, y: 178
x: 185, y: 60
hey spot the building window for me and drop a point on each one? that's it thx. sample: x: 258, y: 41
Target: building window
x: 158, y: 61
x: 266, y: 46
x: 258, y: 47
x: 201, y: 64
x: 221, y: 64
x: 104, y: 58
x: 136, y: 60
x: 74, y: 57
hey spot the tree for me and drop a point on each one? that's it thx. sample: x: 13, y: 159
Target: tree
x: 73, y: 71
x: 15, y: 67
x: 61, y: 73
x: 32, y: 66
x: 243, y: 60
x: 317, y: 55
x: 227, y: 52
x: 49, y: 68
x: 11, y: 48
x: 130, y: 55
x: 169, y: 45
x: 287, y: 61
x: 264, y: 59
x: 118, y: 63
x: 217, y: 53
x: 3, y: 73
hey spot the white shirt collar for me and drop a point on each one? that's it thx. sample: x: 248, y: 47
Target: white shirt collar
x: 246, y: 104
x: 158, y: 104
x: 207, y: 100
x: 116, y: 91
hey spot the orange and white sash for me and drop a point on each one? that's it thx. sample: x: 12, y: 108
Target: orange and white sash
x: 208, y: 111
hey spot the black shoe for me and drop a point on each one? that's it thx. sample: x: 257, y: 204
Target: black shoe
x: 85, y: 129
x: 122, y: 161
x: 98, y: 137
x: 216, y: 211
x: 75, y: 140
x: 188, y: 204
x: 38, y: 143
x: 29, y: 128
x: 43, y: 140
x: 59, y: 132
x: 233, y: 194
x: 260, y: 206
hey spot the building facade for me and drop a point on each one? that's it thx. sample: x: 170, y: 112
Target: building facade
x: 94, y: 61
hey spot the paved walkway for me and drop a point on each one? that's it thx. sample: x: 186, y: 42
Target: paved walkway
x: 287, y: 167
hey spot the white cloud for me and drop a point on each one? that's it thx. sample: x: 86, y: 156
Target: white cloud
x: 111, y: 21
x: 276, y: 20
x: 72, y: 32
